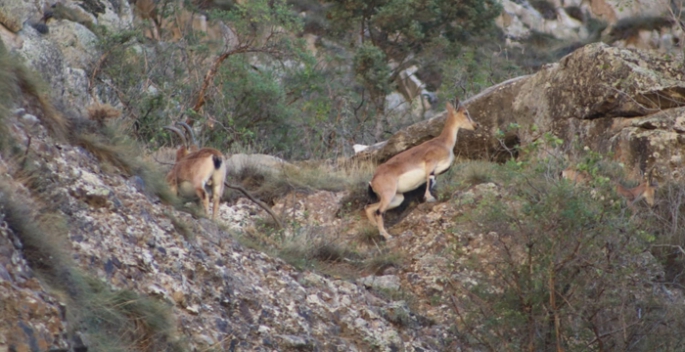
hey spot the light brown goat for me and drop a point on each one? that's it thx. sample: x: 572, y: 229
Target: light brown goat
x: 644, y: 190
x: 195, y: 169
x: 414, y: 167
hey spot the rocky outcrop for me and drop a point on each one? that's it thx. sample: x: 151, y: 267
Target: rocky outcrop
x: 638, y: 24
x: 624, y: 101
x: 223, y: 295
x: 32, y: 318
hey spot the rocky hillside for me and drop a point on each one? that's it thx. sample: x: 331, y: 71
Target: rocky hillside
x: 95, y: 255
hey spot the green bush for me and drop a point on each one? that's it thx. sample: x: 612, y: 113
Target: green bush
x: 566, y: 269
x: 664, y: 222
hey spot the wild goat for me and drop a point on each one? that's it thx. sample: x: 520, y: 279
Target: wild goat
x: 195, y: 169
x: 575, y: 176
x: 416, y: 166
x: 644, y: 190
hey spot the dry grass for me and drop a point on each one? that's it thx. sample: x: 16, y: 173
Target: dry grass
x: 44, y: 253
x: 271, y: 184
x: 18, y: 79
x: 181, y: 227
x: 110, y: 145
x: 477, y: 172
x: 369, y: 235
x: 103, y: 112
x: 318, y: 249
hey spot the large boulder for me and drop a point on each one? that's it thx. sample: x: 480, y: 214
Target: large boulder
x: 636, y: 24
x: 629, y: 102
x: 15, y: 13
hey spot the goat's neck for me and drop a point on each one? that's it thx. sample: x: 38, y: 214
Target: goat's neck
x: 449, y: 132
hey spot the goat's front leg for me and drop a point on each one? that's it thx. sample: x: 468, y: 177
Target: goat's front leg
x: 430, y: 185
x: 204, y: 198
x: 429, y: 168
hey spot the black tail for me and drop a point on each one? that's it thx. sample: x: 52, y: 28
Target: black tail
x: 217, y: 161
x: 372, y: 194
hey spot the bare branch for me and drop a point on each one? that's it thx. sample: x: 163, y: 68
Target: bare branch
x: 256, y: 201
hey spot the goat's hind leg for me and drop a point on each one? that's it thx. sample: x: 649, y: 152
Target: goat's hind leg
x: 396, y: 200
x: 371, y: 211
x: 217, y: 192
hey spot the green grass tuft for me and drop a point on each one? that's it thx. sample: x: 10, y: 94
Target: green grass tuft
x: 111, y: 145
x: 181, y: 227
x: 17, y: 80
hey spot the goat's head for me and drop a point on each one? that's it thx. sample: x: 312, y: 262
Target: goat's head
x: 461, y: 117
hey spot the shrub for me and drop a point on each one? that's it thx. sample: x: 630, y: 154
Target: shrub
x: 566, y: 268
x: 664, y: 222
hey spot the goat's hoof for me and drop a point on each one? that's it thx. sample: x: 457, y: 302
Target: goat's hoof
x: 431, y: 200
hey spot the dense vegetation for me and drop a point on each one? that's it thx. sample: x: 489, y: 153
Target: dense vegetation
x: 569, y: 266
x: 269, y: 92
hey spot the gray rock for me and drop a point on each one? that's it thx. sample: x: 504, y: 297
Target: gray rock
x: 75, y: 41
x: 29, y: 118
x: 296, y: 342
x: 387, y: 282
x: 14, y: 13
x: 597, y: 94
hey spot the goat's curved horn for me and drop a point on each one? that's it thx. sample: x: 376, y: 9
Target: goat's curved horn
x: 190, y: 132
x: 179, y: 133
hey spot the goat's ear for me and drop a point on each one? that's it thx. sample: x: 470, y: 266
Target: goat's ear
x: 450, y: 108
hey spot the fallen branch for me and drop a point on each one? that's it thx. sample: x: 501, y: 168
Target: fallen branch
x: 258, y: 202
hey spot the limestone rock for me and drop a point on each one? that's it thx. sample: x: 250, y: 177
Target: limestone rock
x: 76, y: 42
x: 67, y: 83
x: 570, y: 21
x: 385, y: 282
x: 14, y: 13
x: 597, y: 95
x: 237, y: 162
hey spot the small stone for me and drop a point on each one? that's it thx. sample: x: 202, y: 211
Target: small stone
x: 195, y: 309
x: 205, y: 340
x: 387, y: 282
x: 263, y: 329
x: 295, y: 341
x: 29, y: 118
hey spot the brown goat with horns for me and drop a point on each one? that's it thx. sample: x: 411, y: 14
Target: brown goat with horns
x: 196, y: 168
